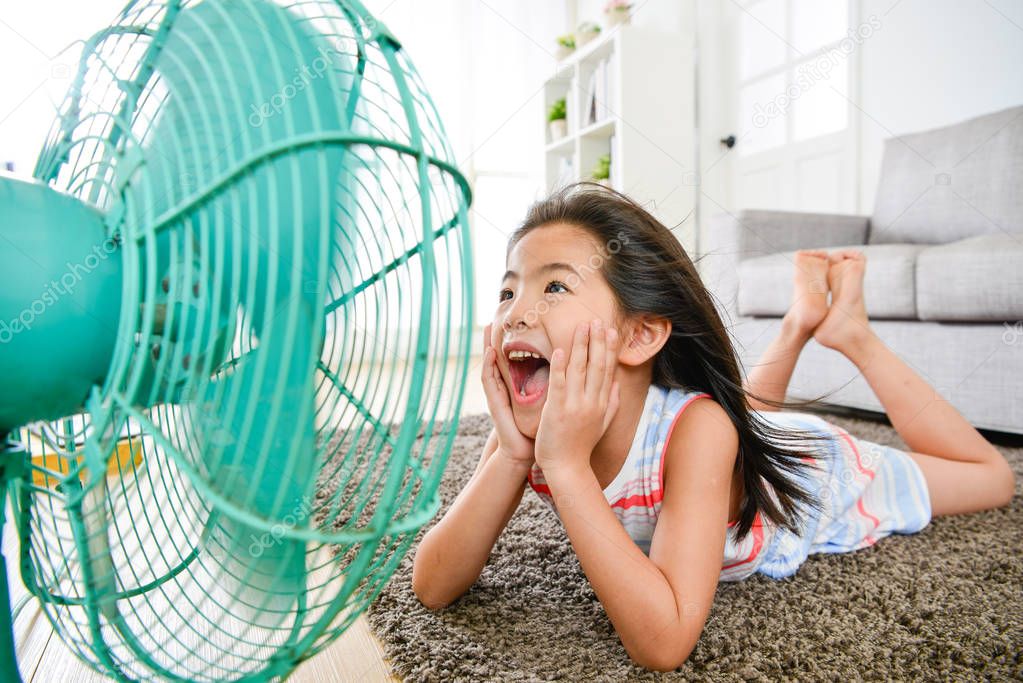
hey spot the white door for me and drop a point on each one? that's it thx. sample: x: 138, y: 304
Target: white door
x: 794, y: 78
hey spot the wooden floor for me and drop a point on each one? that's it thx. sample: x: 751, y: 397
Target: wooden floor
x: 356, y: 656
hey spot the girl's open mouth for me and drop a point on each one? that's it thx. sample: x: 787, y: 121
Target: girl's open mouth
x: 530, y: 375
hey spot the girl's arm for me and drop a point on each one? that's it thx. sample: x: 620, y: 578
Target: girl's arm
x: 659, y: 604
x: 452, y: 554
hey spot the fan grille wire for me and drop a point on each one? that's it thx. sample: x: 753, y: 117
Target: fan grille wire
x: 391, y: 353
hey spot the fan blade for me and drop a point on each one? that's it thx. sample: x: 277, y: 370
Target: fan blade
x: 224, y: 64
x: 258, y: 443
x: 269, y: 230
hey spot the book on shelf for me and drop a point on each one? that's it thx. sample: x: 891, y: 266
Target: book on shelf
x: 566, y: 173
x: 609, y: 88
x: 600, y: 91
x: 591, y: 100
x: 570, y: 120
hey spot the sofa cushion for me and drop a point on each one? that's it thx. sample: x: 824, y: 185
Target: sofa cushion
x: 950, y: 183
x: 978, y: 279
x: 889, y: 286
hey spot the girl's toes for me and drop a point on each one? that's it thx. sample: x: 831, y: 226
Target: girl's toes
x: 843, y: 254
x: 809, y: 291
x: 837, y: 256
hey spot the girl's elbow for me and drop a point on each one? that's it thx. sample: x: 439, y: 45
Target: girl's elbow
x: 661, y: 662
x: 421, y: 587
x: 428, y: 601
x: 432, y: 605
x: 425, y: 588
x: 663, y: 659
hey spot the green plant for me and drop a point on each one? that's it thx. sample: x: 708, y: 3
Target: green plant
x: 557, y: 110
x: 588, y: 27
x: 567, y: 41
x: 602, y: 171
x: 618, y: 6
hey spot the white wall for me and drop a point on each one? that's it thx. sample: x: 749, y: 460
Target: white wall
x: 717, y: 55
x: 932, y: 63
x: 428, y: 34
x: 37, y: 70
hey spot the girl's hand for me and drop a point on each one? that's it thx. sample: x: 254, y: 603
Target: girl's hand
x: 582, y: 399
x: 511, y: 443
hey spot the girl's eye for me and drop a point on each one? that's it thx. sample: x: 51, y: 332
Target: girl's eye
x: 554, y: 283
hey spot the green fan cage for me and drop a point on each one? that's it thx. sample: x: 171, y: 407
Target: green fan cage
x: 235, y: 318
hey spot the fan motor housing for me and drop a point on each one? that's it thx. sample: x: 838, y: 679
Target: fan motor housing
x: 60, y: 301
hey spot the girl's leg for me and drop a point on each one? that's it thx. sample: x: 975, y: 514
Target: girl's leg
x: 964, y: 472
x: 769, y: 378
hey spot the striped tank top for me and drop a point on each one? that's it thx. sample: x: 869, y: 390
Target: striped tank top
x: 868, y: 491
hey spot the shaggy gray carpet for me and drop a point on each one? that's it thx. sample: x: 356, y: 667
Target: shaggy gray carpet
x: 943, y: 604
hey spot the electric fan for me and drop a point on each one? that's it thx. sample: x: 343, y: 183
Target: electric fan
x: 235, y: 320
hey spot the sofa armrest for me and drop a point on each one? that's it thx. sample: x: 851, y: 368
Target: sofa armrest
x: 751, y: 233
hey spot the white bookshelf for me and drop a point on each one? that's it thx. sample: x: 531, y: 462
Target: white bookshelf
x: 647, y: 123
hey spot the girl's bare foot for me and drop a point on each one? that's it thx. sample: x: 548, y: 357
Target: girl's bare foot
x: 809, y: 292
x: 846, y: 324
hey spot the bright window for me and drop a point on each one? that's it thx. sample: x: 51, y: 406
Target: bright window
x: 793, y: 57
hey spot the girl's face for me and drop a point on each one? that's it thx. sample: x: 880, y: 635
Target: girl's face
x: 554, y: 282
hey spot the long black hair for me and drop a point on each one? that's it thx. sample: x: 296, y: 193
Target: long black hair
x: 651, y: 274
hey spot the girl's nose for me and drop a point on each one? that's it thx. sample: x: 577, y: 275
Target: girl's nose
x: 518, y: 316
x: 513, y: 322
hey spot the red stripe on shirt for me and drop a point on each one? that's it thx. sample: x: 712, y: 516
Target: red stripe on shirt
x: 856, y: 451
x: 758, y: 543
x: 638, y: 500
x: 541, y: 488
x: 859, y: 503
x: 659, y: 494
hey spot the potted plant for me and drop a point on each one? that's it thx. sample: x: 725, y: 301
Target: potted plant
x: 557, y: 120
x: 617, y: 12
x: 602, y: 171
x: 586, y: 32
x: 566, y: 44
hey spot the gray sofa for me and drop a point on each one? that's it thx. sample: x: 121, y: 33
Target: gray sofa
x: 944, y: 280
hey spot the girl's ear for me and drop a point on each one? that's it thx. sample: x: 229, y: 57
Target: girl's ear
x: 642, y: 338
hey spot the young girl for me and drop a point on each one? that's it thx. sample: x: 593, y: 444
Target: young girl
x: 616, y: 395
